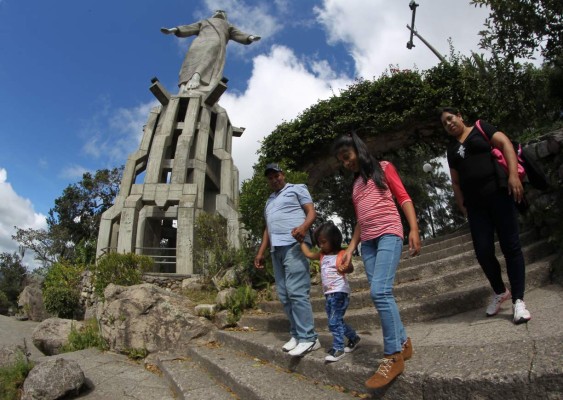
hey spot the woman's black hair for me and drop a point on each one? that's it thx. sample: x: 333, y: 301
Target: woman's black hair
x: 331, y: 233
x: 369, y: 166
x: 451, y: 110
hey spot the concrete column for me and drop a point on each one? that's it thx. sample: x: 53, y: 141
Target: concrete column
x: 185, y: 231
x: 163, y: 137
x: 200, y: 164
x: 185, y: 141
x: 128, y: 224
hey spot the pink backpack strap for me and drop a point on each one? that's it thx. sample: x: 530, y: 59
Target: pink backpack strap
x: 478, y: 126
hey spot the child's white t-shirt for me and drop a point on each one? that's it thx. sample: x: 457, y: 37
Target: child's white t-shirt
x: 332, y: 280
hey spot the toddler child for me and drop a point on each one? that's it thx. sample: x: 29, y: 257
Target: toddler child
x: 335, y: 287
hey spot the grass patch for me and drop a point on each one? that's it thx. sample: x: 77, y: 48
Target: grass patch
x: 203, y: 296
x: 136, y: 353
x: 85, y: 337
x: 13, y: 376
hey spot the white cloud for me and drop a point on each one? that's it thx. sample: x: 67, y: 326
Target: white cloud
x: 375, y: 31
x: 257, y: 19
x: 281, y: 86
x: 15, y: 211
x: 72, y: 172
x: 119, y: 135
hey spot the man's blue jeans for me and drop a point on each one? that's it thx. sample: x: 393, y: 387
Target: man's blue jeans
x: 293, y: 284
x: 336, y: 306
x: 381, y: 257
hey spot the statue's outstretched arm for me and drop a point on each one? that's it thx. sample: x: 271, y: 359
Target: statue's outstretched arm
x: 254, y: 38
x: 168, y: 31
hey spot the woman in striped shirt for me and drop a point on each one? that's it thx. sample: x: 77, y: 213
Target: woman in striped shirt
x: 380, y: 232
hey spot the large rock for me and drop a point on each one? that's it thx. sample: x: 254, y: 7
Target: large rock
x: 226, y: 279
x: 193, y: 283
x: 224, y: 297
x: 9, y: 354
x: 148, y: 317
x: 31, y: 302
x: 53, y: 379
x: 52, y: 334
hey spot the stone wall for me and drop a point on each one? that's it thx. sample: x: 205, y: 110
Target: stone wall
x: 546, y: 211
x: 172, y: 282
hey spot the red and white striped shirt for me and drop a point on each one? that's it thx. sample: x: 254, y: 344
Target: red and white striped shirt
x: 376, y: 211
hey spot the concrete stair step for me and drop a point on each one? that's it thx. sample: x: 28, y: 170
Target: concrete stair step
x: 246, y: 377
x: 439, y: 278
x: 460, y: 357
x: 417, y: 268
x: 189, y: 380
x: 462, y: 244
x: 453, y: 236
x: 473, y: 294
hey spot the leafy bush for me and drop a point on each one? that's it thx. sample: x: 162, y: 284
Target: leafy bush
x: 12, y: 276
x: 61, y: 290
x: 258, y: 278
x: 4, y: 303
x: 12, y: 377
x: 84, y: 338
x: 136, y: 353
x: 212, y: 251
x: 243, y: 298
x: 119, y: 269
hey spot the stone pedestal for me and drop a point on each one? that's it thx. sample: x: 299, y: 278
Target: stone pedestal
x: 183, y: 167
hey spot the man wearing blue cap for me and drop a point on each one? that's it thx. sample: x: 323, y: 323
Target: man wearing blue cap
x: 289, y: 214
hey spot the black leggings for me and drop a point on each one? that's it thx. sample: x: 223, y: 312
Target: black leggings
x: 499, y: 214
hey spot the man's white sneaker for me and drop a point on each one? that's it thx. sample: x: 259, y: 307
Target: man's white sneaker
x: 305, y: 347
x: 521, y: 315
x: 290, y: 345
x: 496, y: 301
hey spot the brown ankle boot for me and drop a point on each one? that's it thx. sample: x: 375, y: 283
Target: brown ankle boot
x: 390, y: 367
x: 407, y: 349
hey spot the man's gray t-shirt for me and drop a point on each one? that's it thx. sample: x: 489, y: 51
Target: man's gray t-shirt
x: 284, y: 211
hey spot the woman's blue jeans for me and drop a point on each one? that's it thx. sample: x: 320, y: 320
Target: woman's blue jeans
x: 381, y: 257
x: 293, y: 284
x: 336, y: 305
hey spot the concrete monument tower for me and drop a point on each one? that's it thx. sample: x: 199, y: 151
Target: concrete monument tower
x: 183, y: 165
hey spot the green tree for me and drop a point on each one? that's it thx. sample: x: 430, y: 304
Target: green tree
x: 517, y: 28
x: 12, y: 276
x: 74, y: 221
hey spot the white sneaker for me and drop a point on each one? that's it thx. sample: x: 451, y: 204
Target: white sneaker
x: 334, y: 355
x: 496, y: 301
x: 305, y: 347
x: 521, y: 315
x: 290, y: 345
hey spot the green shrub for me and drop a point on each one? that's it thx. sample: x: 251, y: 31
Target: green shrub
x: 119, y: 269
x: 212, y: 251
x: 4, y: 303
x: 61, y: 290
x: 136, y: 353
x: 243, y: 298
x: 258, y: 278
x: 85, y: 337
x: 12, y: 377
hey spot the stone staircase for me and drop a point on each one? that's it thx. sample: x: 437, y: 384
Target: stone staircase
x: 441, y: 292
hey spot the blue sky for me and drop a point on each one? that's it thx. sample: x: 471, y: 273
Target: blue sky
x: 75, y: 76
